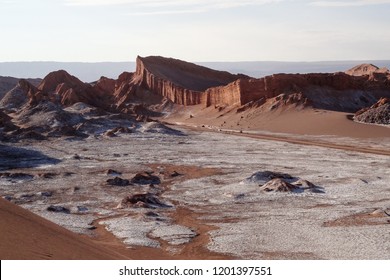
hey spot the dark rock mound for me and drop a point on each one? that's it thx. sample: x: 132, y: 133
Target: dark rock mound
x: 113, y: 172
x: 299, y: 186
x: 6, y: 122
x: 58, y: 209
x: 263, y: 177
x: 144, y: 200
x: 279, y: 185
x: 46, y: 115
x: 145, y: 178
x: 270, y: 181
x: 117, y: 181
x: 16, y: 176
x: 116, y: 131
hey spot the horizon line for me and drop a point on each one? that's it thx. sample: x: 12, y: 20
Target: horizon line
x: 210, y: 61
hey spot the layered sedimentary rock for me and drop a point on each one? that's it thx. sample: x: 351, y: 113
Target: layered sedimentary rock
x: 333, y: 91
x: 379, y: 113
x: 159, y: 80
x: 188, y: 84
x: 62, y: 88
x: 182, y: 82
x: 18, y: 96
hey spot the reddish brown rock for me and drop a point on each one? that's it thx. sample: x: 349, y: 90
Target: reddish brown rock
x: 65, y: 89
x: 18, y: 96
x: 182, y: 82
x: 362, y: 69
x: 379, y: 113
x: 105, y: 85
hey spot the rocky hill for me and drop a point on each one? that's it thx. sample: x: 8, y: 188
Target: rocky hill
x: 8, y: 83
x: 187, y: 84
x: 182, y: 82
x: 379, y: 113
x: 61, y: 102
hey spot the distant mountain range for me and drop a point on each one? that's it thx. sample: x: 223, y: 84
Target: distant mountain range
x: 89, y: 72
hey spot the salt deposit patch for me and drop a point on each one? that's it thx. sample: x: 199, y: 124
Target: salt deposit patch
x: 132, y: 231
x: 156, y: 127
x: 174, y: 234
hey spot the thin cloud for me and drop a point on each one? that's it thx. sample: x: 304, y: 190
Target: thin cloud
x: 167, y: 12
x: 347, y: 3
x: 165, y: 3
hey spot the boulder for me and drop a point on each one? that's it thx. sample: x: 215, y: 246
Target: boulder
x: 379, y: 113
x: 143, y: 200
x: 145, y: 178
x: 263, y: 177
x: 117, y: 181
x: 58, y: 209
x: 279, y: 185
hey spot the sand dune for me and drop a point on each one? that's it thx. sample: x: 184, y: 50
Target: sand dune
x: 25, y: 235
x: 299, y: 122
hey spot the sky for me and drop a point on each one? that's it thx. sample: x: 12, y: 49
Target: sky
x: 194, y: 30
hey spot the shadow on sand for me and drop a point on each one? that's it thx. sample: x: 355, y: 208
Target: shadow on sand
x: 15, y: 157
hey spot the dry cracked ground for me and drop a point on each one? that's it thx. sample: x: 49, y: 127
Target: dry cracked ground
x: 206, y: 194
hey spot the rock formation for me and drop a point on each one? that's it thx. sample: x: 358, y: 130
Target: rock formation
x: 379, y: 113
x: 61, y: 104
x: 62, y: 88
x: 157, y: 78
x: 5, y: 122
x: 18, y: 96
x: 8, y: 83
x: 142, y: 200
x: 188, y: 84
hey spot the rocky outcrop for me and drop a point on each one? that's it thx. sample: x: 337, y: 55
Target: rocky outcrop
x: 331, y: 91
x: 379, y: 113
x: 366, y: 69
x: 188, y: 84
x: 105, y: 85
x: 182, y: 82
x: 6, y: 84
x: 362, y: 69
x: 142, y: 200
x: 145, y: 178
x: 62, y: 88
x: 374, y: 73
x: 18, y: 96
x: 160, y: 80
x: 15, y: 88
x: 6, y: 122
x: 117, y: 181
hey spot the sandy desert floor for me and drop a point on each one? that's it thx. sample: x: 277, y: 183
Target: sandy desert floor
x: 207, y: 202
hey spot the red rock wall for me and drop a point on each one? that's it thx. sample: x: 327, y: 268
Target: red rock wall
x: 224, y: 95
x: 243, y: 91
x: 168, y: 89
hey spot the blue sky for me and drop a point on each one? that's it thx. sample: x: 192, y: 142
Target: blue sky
x: 194, y: 30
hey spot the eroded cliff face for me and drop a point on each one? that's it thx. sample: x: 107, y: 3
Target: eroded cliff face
x: 158, y: 79
x: 188, y: 84
x: 181, y: 82
x: 59, y: 87
x: 332, y: 91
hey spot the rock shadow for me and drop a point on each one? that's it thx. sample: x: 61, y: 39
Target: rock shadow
x: 16, y: 157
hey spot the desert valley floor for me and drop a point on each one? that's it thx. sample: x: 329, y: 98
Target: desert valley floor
x: 180, y: 193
